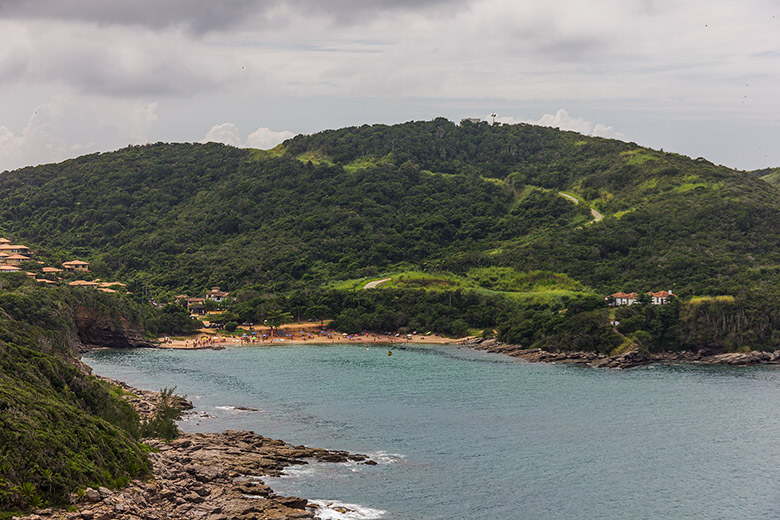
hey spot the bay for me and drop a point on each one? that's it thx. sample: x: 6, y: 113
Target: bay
x: 466, y: 434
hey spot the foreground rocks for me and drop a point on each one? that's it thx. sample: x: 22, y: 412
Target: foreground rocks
x: 630, y: 359
x: 203, y: 476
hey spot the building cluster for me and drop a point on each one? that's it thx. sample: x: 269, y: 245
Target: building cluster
x: 656, y: 298
x: 13, y: 255
x: 198, y: 305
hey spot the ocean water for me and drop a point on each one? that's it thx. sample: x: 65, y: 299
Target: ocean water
x: 461, y: 434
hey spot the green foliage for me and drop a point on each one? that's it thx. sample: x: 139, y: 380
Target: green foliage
x: 60, y: 429
x: 231, y: 326
x: 163, y: 423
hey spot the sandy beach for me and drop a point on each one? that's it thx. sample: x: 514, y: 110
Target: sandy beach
x: 292, y: 333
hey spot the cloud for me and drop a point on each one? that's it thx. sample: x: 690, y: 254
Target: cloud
x: 263, y: 138
x: 562, y: 120
x: 225, y: 133
x: 65, y: 127
x: 203, y: 16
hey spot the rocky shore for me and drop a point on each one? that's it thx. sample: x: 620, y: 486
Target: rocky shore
x: 203, y: 476
x: 630, y: 359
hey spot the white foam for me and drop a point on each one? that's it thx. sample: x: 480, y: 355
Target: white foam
x: 225, y: 407
x: 383, y: 457
x: 298, y: 471
x: 332, y: 510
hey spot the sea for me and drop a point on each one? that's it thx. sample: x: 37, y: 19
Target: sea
x: 463, y: 434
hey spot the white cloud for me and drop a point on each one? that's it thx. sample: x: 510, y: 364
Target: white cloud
x: 225, y: 133
x: 561, y: 119
x: 68, y: 126
x: 263, y: 138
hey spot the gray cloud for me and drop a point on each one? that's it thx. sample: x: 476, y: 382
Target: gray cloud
x: 195, y: 15
x: 202, y: 16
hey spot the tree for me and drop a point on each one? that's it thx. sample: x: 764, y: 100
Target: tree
x: 275, y: 318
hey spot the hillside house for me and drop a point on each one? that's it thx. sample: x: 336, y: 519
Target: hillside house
x: 83, y: 283
x: 16, y: 259
x: 8, y: 269
x: 76, y: 266
x: 15, y: 249
x: 196, y: 305
x: 622, y: 298
x: 51, y: 270
x: 217, y: 295
x: 661, y: 297
x: 4, y: 241
x: 656, y: 298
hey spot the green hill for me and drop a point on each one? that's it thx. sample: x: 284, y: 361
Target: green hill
x: 319, y: 213
x: 770, y: 175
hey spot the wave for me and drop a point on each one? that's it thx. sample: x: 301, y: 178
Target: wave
x: 332, y: 510
x: 383, y: 457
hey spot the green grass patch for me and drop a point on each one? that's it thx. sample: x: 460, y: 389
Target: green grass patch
x: 697, y: 300
x: 362, y: 163
x: 261, y: 155
x: 637, y: 156
x: 315, y: 157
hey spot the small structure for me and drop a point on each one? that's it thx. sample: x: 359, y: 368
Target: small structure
x: 51, y: 270
x: 196, y: 305
x: 216, y: 294
x: 4, y: 241
x: 83, y: 283
x: 76, y: 265
x: 8, y: 268
x: 656, y: 298
x: 473, y: 120
x: 622, y: 298
x: 15, y: 249
x: 16, y: 259
x: 661, y: 297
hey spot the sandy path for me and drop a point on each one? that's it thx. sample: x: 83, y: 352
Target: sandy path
x: 597, y: 217
x: 376, y: 283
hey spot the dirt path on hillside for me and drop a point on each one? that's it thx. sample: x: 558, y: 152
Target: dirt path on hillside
x: 376, y: 283
x: 597, y: 217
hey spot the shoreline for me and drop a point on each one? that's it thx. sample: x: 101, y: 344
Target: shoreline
x: 203, y: 476
x: 630, y: 359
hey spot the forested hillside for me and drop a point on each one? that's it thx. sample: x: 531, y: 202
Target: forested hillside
x: 474, y: 208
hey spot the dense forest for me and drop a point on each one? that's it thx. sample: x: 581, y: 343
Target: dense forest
x: 531, y: 223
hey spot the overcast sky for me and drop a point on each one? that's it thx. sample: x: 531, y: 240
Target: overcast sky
x: 697, y: 77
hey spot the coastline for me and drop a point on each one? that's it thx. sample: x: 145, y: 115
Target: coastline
x: 630, y: 359
x: 208, y: 476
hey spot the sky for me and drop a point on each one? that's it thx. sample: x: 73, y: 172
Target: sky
x: 696, y: 77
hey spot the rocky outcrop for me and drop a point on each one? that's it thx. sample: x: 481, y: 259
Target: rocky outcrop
x: 208, y: 476
x: 98, y: 330
x: 202, y: 476
x: 630, y: 359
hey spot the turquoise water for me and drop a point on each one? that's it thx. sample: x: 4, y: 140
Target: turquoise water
x: 462, y: 434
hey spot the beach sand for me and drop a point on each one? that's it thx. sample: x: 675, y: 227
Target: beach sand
x: 293, y: 334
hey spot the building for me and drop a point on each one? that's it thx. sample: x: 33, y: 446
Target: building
x: 83, y: 283
x: 216, y: 294
x: 51, y: 270
x: 8, y: 269
x: 16, y: 259
x: 656, y: 298
x: 76, y: 265
x: 14, y: 249
x: 196, y: 305
x: 661, y: 297
x: 473, y: 120
x: 4, y: 241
